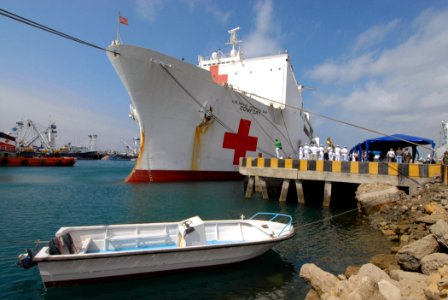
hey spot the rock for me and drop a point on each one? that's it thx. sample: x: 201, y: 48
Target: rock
x: 342, y: 277
x: 351, y: 270
x: 404, y: 238
x: 411, y: 284
x: 402, y: 228
x: 395, y: 249
x: 412, y: 290
x: 387, y: 232
x: 322, y: 282
x: 358, y: 287
x: 388, y: 290
x: 383, y: 261
x: 407, y: 219
x: 410, y: 255
x: 432, y: 262
x: 383, y: 224
x: 400, y: 275
x: 433, y: 218
x: 391, y: 268
x: 437, y: 284
x: 433, y: 207
x: 440, y: 231
x: 373, y: 272
x: 393, y: 238
x: 372, y: 196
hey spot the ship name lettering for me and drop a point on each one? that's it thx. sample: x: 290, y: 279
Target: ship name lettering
x: 252, y: 109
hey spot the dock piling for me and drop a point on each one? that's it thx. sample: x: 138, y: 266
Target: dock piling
x: 300, y: 194
x: 327, y: 194
x: 250, y: 187
x: 285, y: 188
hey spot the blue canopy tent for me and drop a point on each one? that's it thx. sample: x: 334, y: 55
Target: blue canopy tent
x: 384, y: 143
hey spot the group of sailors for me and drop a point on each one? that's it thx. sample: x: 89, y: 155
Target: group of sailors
x: 318, y: 152
x: 313, y: 151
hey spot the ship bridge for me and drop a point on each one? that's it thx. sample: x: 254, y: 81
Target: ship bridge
x: 269, y: 79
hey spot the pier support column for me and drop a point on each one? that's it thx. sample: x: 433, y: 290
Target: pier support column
x: 263, y: 188
x: 327, y: 194
x: 300, y: 194
x: 250, y: 187
x: 257, y: 184
x: 285, y: 188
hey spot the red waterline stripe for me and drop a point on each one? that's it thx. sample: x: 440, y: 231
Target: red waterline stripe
x: 171, y: 176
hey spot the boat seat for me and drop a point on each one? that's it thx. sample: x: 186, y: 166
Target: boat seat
x: 85, y: 245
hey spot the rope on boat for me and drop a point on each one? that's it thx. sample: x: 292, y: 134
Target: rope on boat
x: 51, y: 30
x: 23, y: 242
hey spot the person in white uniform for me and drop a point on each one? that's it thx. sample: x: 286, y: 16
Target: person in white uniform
x: 344, y: 154
x: 313, y: 151
x: 306, y: 151
x: 330, y: 153
x: 321, y: 152
x: 337, y: 153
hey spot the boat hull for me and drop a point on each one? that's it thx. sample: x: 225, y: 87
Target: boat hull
x: 37, y: 161
x: 173, y: 176
x: 83, y: 254
x: 119, y: 267
x: 192, y: 128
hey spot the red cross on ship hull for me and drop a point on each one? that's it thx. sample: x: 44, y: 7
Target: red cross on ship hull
x: 241, y: 142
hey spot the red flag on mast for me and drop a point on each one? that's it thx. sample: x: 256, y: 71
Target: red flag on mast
x: 123, y: 20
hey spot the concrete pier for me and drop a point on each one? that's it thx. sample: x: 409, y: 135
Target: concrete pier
x: 261, y: 170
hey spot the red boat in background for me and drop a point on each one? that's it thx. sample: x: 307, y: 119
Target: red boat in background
x: 9, y: 157
x: 43, y: 161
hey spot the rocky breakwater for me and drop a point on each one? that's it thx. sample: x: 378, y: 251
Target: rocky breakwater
x: 416, y: 268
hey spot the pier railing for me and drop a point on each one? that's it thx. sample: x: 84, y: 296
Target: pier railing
x: 402, y: 175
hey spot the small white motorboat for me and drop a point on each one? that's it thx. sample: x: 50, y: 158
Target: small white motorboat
x: 84, y: 254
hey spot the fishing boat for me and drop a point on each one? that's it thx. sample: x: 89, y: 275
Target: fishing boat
x: 9, y: 157
x: 197, y: 121
x: 86, y: 254
x: 42, y: 161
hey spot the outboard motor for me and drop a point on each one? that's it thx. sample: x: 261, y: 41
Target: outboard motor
x: 25, y: 260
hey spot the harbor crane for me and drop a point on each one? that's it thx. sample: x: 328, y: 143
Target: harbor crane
x: 28, y: 134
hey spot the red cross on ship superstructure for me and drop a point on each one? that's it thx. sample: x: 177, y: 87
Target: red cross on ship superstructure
x: 240, y: 141
x: 216, y: 77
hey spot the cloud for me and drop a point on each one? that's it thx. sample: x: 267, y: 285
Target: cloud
x: 402, y: 88
x: 219, y: 15
x: 374, y: 35
x: 148, y: 8
x: 71, y: 113
x: 264, y: 39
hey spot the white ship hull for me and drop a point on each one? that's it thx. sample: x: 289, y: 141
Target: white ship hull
x: 195, y: 128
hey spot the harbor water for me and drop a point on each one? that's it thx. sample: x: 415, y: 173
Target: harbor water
x: 36, y: 201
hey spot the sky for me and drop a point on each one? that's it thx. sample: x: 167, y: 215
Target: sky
x: 380, y: 65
